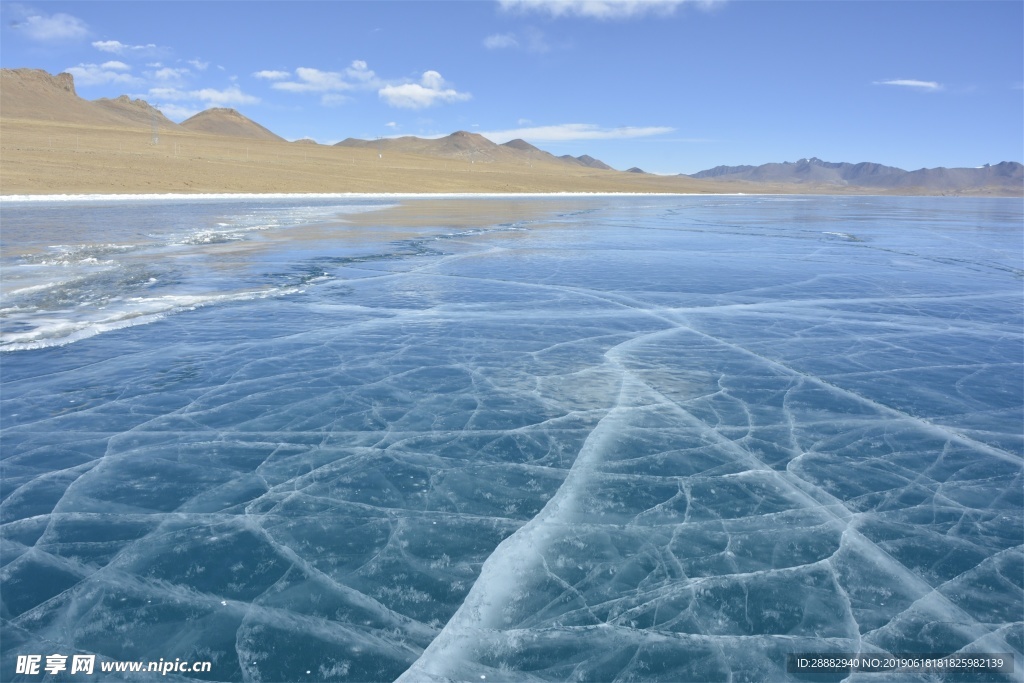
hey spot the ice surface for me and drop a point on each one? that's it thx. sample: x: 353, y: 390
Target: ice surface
x: 626, y: 439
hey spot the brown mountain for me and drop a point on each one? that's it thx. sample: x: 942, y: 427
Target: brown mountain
x: 140, y: 112
x: 586, y: 160
x: 523, y: 146
x: 470, y: 147
x: 228, y: 122
x: 53, y: 141
x: 36, y: 95
x: 458, y: 145
x: 525, y: 149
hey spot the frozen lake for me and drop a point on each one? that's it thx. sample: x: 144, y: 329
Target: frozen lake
x: 558, y: 439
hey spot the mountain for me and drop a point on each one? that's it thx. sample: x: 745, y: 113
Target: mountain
x: 523, y: 146
x: 814, y: 171
x: 719, y: 171
x: 458, y: 145
x: 635, y: 169
x: 811, y: 170
x: 137, y: 111
x: 586, y: 160
x: 222, y: 121
x: 470, y: 147
x: 34, y: 102
x: 527, y: 150
x: 1005, y: 174
x: 36, y: 95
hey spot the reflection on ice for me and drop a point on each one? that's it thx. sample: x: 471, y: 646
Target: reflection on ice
x: 648, y: 439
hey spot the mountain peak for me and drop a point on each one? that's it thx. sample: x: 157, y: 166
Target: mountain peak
x: 226, y: 121
x: 521, y: 145
x: 37, y: 78
x: 466, y: 135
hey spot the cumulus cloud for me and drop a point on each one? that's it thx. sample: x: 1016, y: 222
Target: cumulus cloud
x: 307, y: 79
x: 362, y: 74
x: 209, y: 96
x: 314, y: 80
x: 910, y: 83
x: 272, y: 75
x: 199, y: 64
x: 99, y: 74
x: 118, y: 48
x: 599, y: 9
x: 428, y: 92
x: 574, y: 131
x: 169, y: 74
x: 337, y: 87
x: 225, y: 97
x: 51, y: 28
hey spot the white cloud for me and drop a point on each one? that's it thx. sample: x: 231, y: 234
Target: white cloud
x: 599, y: 9
x: 523, y: 122
x: 210, y: 96
x: 272, y: 75
x: 428, y: 92
x: 335, y: 86
x: 199, y: 64
x: 118, y: 48
x: 500, y: 40
x: 359, y: 72
x: 574, y: 131
x: 114, y: 46
x: 221, y: 98
x: 314, y: 80
x: 357, y: 76
x: 432, y: 80
x: 909, y: 83
x: 391, y: 124
x: 99, y: 74
x: 169, y: 74
x: 54, y: 27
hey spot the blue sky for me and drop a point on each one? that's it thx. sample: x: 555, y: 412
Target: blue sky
x: 668, y: 86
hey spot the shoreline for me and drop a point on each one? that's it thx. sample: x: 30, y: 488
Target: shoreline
x: 359, y: 195
x: 218, y: 196
x: 46, y: 160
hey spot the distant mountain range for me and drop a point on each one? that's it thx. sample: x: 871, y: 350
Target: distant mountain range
x: 36, y: 95
x: 813, y: 171
x: 471, y: 147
